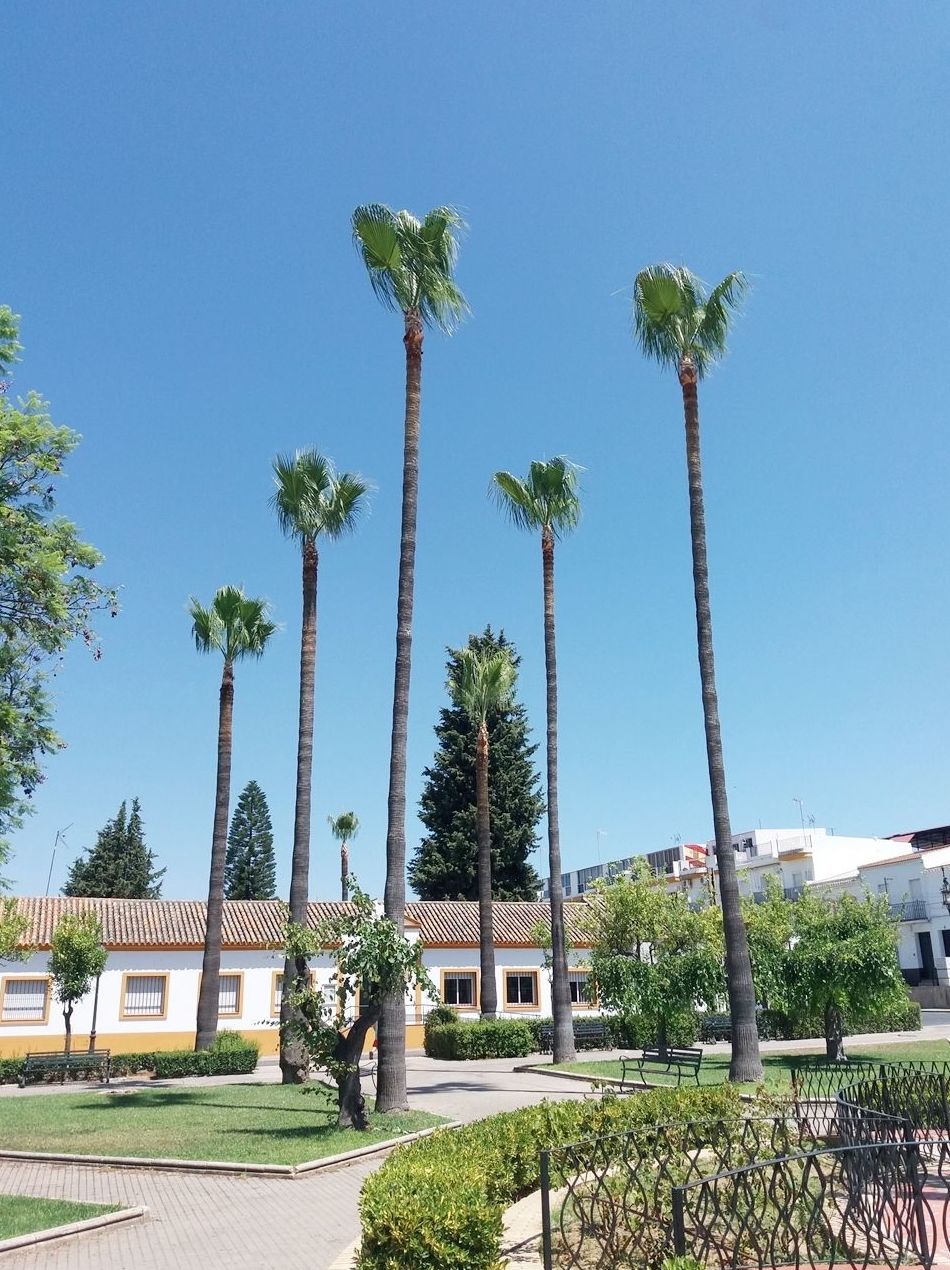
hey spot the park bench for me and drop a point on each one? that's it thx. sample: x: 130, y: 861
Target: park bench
x: 588, y: 1034
x: 678, y: 1061
x: 37, y: 1065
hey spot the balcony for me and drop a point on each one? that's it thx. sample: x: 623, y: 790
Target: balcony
x: 910, y: 911
x: 793, y: 892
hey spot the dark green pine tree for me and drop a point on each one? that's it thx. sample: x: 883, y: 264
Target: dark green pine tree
x: 120, y: 865
x: 444, y: 864
x: 249, y: 869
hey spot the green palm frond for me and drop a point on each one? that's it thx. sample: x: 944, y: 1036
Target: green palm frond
x: 234, y: 624
x: 312, y: 499
x: 674, y: 318
x: 549, y: 497
x: 482, y: 681
x: 344, y: 827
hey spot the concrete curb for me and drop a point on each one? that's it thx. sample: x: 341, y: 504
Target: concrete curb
x: 71, y: 1228
x: 227, y: 1166
x: 586, y: 1077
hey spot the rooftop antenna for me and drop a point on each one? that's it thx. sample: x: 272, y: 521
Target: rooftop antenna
x: 600, y: 833
x: 801, y: 813
x: 60, y: 836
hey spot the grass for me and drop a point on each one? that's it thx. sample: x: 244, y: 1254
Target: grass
x: 777, y: 1067
x: 22, y: 1214
x: 259, y: 1124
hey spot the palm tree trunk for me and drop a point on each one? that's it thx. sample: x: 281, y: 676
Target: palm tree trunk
x: 344, y: 872
x: 486, y: 937
x: 293, y: 1060
x: 391, y: 1072
x: 745, y: 1064
x: 207, y: 1025
x: 560, y: 988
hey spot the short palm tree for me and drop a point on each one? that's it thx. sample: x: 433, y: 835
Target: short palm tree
x: 236, y: 626
x: 679, y: 324
x: 410, y: 263
x: 483, y: 683
x: 547, y: 500
x: 344, y: 828
x: 310, y: 500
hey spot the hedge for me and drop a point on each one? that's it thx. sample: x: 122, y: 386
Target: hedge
x: 489, y: 1038
x: 633, y: 1031
x: 438, y: 1203
x: 229, y: 1055
x: 773, y: 1025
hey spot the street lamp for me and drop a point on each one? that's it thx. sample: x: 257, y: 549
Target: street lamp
x: 945, y: 890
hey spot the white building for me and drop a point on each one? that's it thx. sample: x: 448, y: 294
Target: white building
x: 666, y: 862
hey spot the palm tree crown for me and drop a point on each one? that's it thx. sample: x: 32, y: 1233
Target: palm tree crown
x: 676, y: 319
x: 410, y: 261
x: 547, y: 499
x: 344, y: 827
x: 312, y: 499
x: 483, y: 682
x: 234, y: 624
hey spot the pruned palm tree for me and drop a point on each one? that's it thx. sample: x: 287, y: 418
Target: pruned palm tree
x: 547, y: 501
x: 344, y: 828
x: 410, y: 263
x: 311, y: 500
x: 679, y: 324
x: 483, y: 683
x: 236, y: 626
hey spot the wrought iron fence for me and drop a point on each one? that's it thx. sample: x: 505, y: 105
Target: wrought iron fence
x: 916, y: 1093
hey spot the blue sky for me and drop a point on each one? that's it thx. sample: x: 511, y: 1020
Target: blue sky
x: 179, y: 180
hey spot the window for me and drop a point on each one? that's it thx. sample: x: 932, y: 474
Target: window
x: 25, y: 1000
x: 144, y: 996
x: 277, y: 990
x: 229, y: 994
x: 946, y: 942
x: 459, y: 988
x: 521, y: 988
x: 578, y: 981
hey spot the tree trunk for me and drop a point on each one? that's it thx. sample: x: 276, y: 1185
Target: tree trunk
x: 661, y: 1036
x: 563, y: 1044
x: 294, y: 1066
x: 391, y: 1072
x: 834, y: 1039
x: 344, y: 872
x: 486, y: 938
x: 352, y: 1104
x: 745, y: 1064
x: 68, y: 1020
x: 95, y: 1013
x: 211, y: 961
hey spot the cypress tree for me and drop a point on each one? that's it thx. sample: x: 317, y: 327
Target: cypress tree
x: 444, y: 864
x: 120, y: 865
x: 249, y: 871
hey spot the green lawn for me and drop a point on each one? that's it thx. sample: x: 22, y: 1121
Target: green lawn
x: 777, y: 1066
x: 22, y: 1214
x: 261, y: 1124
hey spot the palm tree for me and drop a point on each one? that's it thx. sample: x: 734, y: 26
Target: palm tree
x: 679, y: 324
x: 548, y: 500
x: 344, y: 828
x: 236, y: 626
x: 310, y: 499
x: 482, y: 683
x: 410, y: 264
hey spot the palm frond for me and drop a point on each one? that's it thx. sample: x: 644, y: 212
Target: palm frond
x: 344, y: 827
x: 548, y: 498
x: 674, y: 317
x: 233, y: 624
x: 482, y: 682
x: 205, y: 627
x: 310, y: 499
x: 377, y: 239
x: 723, y: 302
x: 514, y: 498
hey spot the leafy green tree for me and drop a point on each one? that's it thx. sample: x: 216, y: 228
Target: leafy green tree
x: 680, y: 325
x: 48, y: 597
x: 237, y: 627
x: 372, y: 958
x: 249, y: 867
x: 77, y: 957
x: 120, y: 865
x: 769, y: 927
x: 651, y: 953
x: 13, y: 926
x: 444, y: 864
x: 410, y: 263
x: 547, y: 501
x: 344, y: 828
x: 310, y: 501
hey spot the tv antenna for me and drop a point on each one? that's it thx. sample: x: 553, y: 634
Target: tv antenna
x: 60, y: 837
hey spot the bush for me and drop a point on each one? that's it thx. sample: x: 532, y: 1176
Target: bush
x: 634, y: 1032
x: 774, y: 1025
x: 491, y: 1038
x: 228, y: 1055
x: 903, y: 1016
x: 132, y: 1064
x: 10, y: 1069
x: 437, y: 1204
x: 439, y: 1016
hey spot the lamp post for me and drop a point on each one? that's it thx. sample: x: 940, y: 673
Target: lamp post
x: 945, y: 890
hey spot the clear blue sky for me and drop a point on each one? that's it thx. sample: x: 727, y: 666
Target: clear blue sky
x: 178, y: 184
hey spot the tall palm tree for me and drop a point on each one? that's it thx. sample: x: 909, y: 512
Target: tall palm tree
x: 310, y: 500
x: 344, y: 828
x: 548, y: 500
x: 236, y: 626
x: 483, y: 682
x: 410, y: 264
x: 679, y: 324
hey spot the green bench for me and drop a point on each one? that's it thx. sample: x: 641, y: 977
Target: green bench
x: 675, y: 1061
x: 37, y: 1065
x: 588, y: 1034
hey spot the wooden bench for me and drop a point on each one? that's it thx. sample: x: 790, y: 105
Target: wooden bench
x: 678, y: 1061
x: 66, y: 1064
x: 590, y: 1032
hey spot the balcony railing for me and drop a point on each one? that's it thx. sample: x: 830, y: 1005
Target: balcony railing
x: 910, y: 911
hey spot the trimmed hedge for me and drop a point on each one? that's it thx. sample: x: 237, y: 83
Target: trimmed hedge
x: 10, y: 1069
x: 633, y: 1031
x: 489, y: 1038
x: 437, y: 1204
x: 776, y: 1026
x: 228, y: 1055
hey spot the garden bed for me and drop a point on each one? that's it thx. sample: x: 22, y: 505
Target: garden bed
x: 27, y: 1214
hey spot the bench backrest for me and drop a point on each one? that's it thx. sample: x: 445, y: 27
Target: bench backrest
x: 78, y: 1056
x: 685, y: 1057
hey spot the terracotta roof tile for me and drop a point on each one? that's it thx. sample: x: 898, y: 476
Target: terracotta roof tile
x: 454, y: 922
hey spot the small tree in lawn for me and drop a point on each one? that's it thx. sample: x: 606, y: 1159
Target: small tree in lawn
x: 77, y: 957
x: 651, y: 953
x: 372, y: 958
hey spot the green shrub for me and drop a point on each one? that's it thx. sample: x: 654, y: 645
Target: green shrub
x: 437, y: 1204
x: 132, y: 1064
x: 903, y: 1016
x: 491, y: 1038
x: 633, y: 1031
x: 10, y: 1070
x: 440, y: 1015
x: 228, y: 1055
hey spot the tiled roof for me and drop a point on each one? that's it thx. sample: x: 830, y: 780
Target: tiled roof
x: 257, y: 923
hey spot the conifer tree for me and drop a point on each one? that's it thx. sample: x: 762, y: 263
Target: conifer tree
x: 250, y: 868
x: 444, y: 866
x: 120, y: 865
